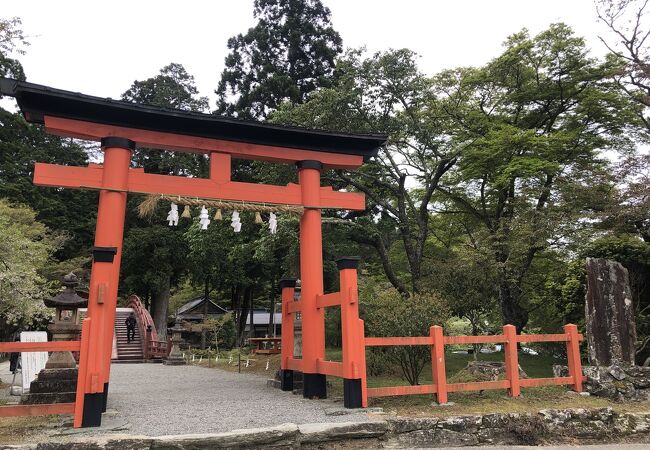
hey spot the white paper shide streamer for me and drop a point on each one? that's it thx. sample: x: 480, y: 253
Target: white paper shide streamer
x: 273, y: 223
x: 172, y: 216
x: 204, y: 218
x: 235, y: 222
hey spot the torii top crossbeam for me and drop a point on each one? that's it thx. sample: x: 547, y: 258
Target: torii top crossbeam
x: 86, y: 117
x: 121, y: 126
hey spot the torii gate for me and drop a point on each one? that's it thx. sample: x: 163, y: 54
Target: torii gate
x: 120, y: 127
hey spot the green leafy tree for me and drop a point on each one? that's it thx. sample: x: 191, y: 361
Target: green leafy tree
x: 154, y: 258
x: 26, y: 249
x: 289, y: 53
x: 532, y: 123
x: 386, y: 94
x: 21, y: 144
x: 12, y: 40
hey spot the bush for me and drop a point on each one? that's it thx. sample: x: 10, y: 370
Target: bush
x: 221, y: 332
x: 379, y: 362
x: 388, y: 314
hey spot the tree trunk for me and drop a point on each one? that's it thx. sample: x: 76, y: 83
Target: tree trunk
x: 160, y: 305
x: 271, y: 329
x: 243, y: 315
x: 206, y: 300
x: 251, y: 330
x: 513, y: 313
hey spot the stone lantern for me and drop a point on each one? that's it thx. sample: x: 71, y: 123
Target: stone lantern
x: 175, y: 357
x: 57, y: 382
x: 66, y: 324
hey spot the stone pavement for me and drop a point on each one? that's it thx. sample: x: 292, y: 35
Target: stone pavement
x: 154, y: 400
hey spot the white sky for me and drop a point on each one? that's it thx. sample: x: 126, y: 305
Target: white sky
x: 100, y: 48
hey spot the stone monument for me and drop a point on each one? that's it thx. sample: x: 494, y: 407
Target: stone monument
x: 611, y: 336
x: 609, y: 314
x: 57, y: 382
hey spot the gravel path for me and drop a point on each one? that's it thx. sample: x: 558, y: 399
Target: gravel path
x: 158, y: 400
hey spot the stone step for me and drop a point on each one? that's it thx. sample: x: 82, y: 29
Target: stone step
x: 46, y: 386
x: 57, y: 374
x: 45, y: 398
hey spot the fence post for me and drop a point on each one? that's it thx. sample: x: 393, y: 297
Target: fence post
x: 362, y: 365
x: 438, y: 369
x: 287, y: 287
x: 573, y: 356
x: 147, y: 343
x: 353, y: 343
x: 512, y: 359
x: 82, y: 372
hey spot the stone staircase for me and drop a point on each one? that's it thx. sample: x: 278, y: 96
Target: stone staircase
x: 126, y: 351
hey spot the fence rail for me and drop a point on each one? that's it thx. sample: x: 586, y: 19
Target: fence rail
x: 50, y: 346
x: 513, y: 383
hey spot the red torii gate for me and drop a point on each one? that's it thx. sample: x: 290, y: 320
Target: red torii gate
x: 120, y: 127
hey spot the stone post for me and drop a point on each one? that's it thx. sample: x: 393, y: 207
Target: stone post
x: 609, y: 312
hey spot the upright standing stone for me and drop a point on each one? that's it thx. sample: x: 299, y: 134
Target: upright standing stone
x: 175, y: 357
x: 611, y: 330
x: 32, y: 362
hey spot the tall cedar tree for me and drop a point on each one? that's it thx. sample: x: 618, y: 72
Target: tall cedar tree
x: 289, y: 53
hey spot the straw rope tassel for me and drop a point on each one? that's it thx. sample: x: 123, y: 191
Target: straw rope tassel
x: 258, y: 217
x: 217, y: 215
x: 148, y: 206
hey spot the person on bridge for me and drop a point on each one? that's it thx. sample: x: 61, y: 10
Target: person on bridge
x: 130, y: 327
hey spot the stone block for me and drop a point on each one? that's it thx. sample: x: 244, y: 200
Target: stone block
x: 465, y: 424
x: 280, y: 436
x: 434, y: 439
x: 401, y: 424
x: 324, y: 432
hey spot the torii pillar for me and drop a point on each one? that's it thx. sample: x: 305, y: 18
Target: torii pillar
x: 104, y: 278
x: 311, y: 274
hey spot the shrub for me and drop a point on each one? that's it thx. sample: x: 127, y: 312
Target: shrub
x: 388, y: 314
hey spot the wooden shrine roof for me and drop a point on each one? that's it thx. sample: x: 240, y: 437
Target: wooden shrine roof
x: 37, y: 101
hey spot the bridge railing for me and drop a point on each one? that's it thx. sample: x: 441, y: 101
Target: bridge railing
x: 152, y: 346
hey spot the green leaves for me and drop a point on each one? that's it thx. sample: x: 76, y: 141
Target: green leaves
x: 25, y: 249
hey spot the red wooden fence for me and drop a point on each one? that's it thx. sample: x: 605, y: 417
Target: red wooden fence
x: 512, y: 383
x: 56, y: 346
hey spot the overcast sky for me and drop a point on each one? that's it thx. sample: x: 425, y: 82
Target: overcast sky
x: 100, y: 48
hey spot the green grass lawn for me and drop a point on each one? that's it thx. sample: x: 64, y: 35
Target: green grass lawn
x: 531, y: 400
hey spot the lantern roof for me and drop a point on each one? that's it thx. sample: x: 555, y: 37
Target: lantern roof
x: 68, y: 297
